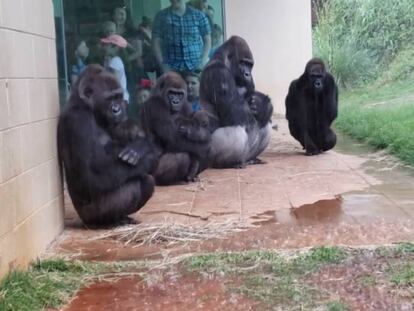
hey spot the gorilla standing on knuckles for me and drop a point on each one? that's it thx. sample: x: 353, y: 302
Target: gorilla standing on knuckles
x: 179, y: 135
x: 239, y: 117
x: 311, y: 107
x: 107, y: 178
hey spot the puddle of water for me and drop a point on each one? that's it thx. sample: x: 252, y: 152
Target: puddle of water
x: 380, y: 164
x: 318, y: 212
x: 181, y: 293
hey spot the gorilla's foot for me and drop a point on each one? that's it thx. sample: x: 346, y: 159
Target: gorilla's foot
x: 256, y: 161
x: 240, y: 165
x: 193, y: 178
x: 312, y: 152
x: 127, y: 221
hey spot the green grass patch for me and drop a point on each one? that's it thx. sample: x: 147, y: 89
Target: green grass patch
x: 381, y: 116
x: 47, y: 284
x: 51, y: 283
x: 403, y: 274
x: 319, y: 256
x: 269, y: 277
x: 337, y: 306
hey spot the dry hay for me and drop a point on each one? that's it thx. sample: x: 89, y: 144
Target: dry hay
x: 170, y: 233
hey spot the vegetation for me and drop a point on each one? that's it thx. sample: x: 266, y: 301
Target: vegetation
x: 359, y: 39
x: 269, y: 277
x: 51, y: 283
x: 367, y: 45
x: 383, y: 117
x: 287, y: 281
x: 293, y: 280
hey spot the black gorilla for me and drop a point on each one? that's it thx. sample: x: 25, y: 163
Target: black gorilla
x: 107, y: 179
x: 167, y: 119
x: 311, y: 107
x: 239, y: 118
x: 114, y: 119
x: 195, y: 129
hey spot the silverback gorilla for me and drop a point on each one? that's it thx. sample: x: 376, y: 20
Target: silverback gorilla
x: 181, y: 139
x: 311, y: 107
x: 239, y: 117
x: 107, y: 180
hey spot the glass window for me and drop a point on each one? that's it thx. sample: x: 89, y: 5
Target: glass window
x: 87, y: 32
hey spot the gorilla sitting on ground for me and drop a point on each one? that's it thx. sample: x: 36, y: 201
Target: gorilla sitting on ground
x: 180, y: 137
x: 239, y: 117
x: 311, y: 107
x: 107, y: 179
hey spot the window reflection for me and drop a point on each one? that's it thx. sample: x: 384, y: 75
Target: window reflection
x: 139, y: 40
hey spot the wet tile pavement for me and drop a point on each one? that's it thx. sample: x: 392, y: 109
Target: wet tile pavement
x: 348, y: 196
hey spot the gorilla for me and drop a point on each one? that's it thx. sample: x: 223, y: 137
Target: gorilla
x: 121, y: 128
x: 179, y: 136
x: 107, y: 179
x: 195, y: 129
x: 311, y: 107
x: 239, y: 117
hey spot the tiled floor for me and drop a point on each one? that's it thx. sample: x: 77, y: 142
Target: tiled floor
x: 347, y: 196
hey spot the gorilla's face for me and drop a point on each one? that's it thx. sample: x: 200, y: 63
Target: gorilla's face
x: 110, y: 109
x: 175, y: 99
x: 316, y: 75
x: 172, y: 89
x: 244, y: 72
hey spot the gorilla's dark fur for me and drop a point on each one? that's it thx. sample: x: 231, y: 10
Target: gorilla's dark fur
x: 311, y: 107
x: 167, y: 120
x: 240, y: 131
x: 107, y: 179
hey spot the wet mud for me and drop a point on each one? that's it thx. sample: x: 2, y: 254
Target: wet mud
x: 179, y: 293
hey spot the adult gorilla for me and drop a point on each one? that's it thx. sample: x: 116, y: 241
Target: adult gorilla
x: 240, y: 125
x: 311, y: 107
x: 107, y: 180
x: 168, y: 121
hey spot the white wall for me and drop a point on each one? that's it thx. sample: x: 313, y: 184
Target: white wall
x: 280, y: 36
x: 31, y: 200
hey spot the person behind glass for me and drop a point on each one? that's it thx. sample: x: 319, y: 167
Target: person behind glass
x: 125, y: 28
x: 210, y: 13
x: 192, y: 78
x: 204, y: 7
x: 108, y: 28
x: 142, y: 92
x: 79, y: 57
x: 122, y: 21
x: 181, y: 37
x: 216, y: 39
x: 111, y: 46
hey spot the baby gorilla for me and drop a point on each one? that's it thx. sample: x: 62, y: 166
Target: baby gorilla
x: 121, y: 129
x: 195, y: 129
x: 167, y: 120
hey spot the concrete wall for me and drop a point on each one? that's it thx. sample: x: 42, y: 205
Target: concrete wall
x: 31, y: 204
x: 280, y: 36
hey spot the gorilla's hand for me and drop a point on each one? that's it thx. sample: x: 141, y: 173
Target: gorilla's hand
x: 129, y: 155
x: 253, y: 101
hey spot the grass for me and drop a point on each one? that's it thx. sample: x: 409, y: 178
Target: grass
x: 403, y: 274
x: 285, y: 280
x: 51, y: 283
x: 270, y: 277
x: 381, y: 115
x: 46, y: 284
x: 337, y: 306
